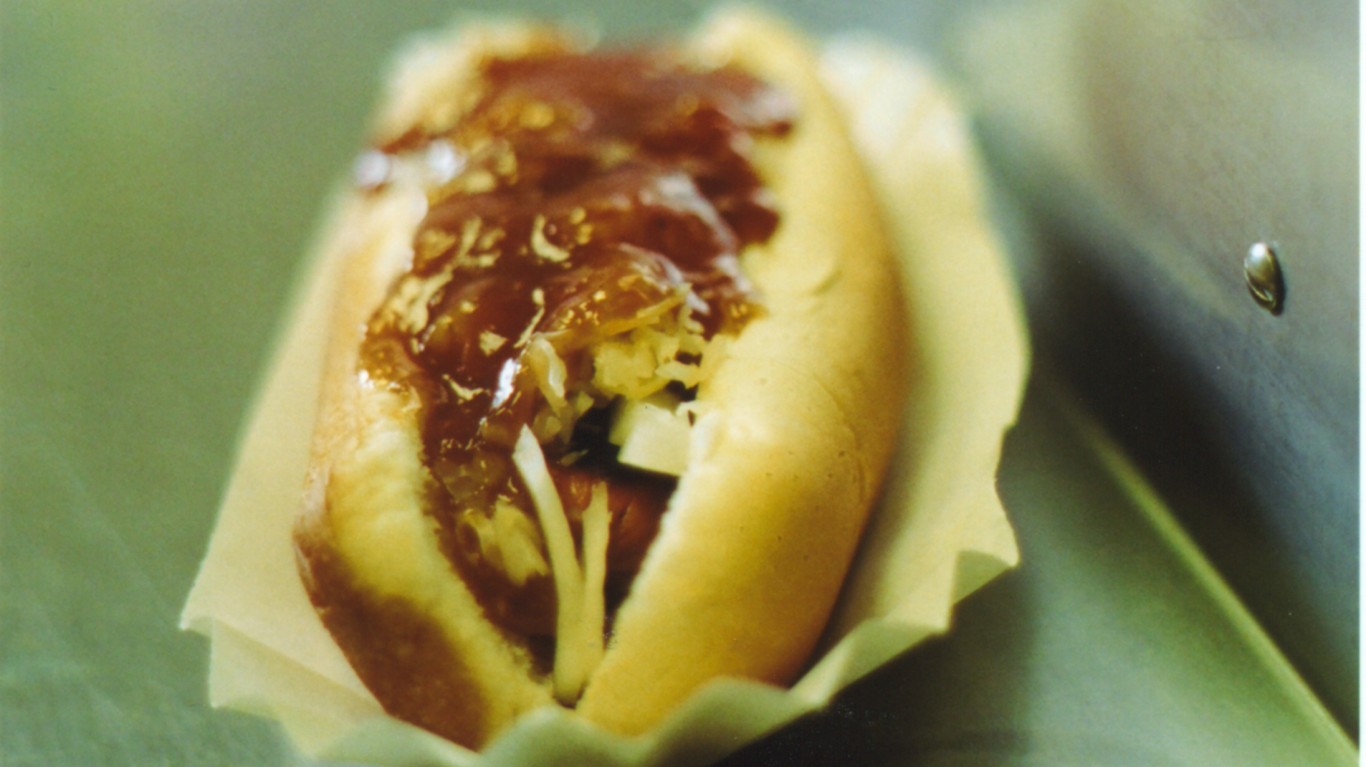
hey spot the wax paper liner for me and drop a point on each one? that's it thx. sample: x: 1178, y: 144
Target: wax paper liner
x: 939, y: 533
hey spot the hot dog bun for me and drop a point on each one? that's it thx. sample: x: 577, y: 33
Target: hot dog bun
x: 793, y: 428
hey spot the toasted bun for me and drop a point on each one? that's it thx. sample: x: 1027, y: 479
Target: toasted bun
x: 793, y: 432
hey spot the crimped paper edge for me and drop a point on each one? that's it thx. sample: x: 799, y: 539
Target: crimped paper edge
x: 349, y: 726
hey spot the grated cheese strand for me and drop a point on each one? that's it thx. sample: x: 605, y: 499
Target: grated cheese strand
x: 596, y: 521
x: 571, y: 668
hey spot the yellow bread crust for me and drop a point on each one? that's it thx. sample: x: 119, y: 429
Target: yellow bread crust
x: 794, y: 431
x: 798, y: 424
x: 367, y: 552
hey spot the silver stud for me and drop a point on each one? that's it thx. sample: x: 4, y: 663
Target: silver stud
x: 1265, y: 282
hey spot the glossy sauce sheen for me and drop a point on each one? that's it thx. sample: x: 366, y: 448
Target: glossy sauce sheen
x: 593, y: 189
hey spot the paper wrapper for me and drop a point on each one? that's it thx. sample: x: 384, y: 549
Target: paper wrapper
x: 940, y: 531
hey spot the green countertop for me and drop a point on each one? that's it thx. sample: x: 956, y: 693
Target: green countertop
x: 162, y: 167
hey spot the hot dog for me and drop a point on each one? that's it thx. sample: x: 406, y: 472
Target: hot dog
x: 616, y: 361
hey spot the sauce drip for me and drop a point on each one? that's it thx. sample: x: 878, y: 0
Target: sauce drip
x: 592, y: 192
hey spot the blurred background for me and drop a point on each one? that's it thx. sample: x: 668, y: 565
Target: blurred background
x: 163, y: 166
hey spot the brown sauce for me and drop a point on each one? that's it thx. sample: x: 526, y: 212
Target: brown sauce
x: 593, y: 188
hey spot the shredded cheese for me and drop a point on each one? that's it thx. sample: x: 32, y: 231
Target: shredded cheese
x: 539, y: 298
x: 571, y: 666
x: 551, y: 374
x: 556, y: 423
x: 490, y: 342
x: 518, y: 544
x: 647, y: 358
x: 461, y: 391
x: 542, y: 246
x: 651, y: 427
x: 596, y: 520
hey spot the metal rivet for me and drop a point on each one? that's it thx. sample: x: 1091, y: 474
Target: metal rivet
x: 1264, y: 280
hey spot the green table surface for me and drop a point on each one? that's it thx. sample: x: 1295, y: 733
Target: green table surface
x: 162, y: 167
